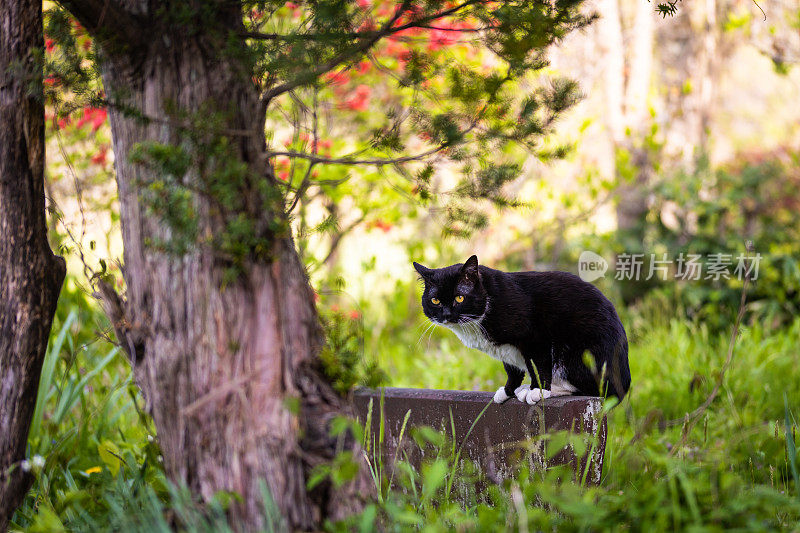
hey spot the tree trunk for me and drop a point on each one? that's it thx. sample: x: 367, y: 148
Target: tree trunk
x: 612, y: 51
x: 632, y: 203
x: 626, y: 92
x: 227, y: 365
x: 30, y: 275
x: 703, y: 18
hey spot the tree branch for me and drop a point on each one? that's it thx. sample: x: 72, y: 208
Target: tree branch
x: 130, y: 335
x: 314, y: 159
x: 337, y: 239
x: 107, y: 20
x: 388, y: 28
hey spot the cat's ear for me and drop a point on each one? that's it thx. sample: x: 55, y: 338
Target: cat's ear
x: 469, y: 270
x: 423, y: 271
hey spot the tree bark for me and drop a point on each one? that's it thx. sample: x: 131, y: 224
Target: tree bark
x: 228, y: 369
x: 30, y: 275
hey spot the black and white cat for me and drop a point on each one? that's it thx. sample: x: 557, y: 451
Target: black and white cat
x: 539, y: 322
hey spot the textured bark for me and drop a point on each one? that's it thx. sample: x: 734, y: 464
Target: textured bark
x: 218, y: 363
x: 30, y: 275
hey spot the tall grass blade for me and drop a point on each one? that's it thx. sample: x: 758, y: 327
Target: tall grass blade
x: 791, y: 448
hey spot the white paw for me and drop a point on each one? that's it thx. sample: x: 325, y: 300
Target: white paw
x: 500, y: 396
x: 521, y: 392
x: 534, y: 395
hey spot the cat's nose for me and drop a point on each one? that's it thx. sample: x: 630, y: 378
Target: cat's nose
x: 446, y: 314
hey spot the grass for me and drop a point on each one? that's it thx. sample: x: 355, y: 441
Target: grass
x: 736, y: 468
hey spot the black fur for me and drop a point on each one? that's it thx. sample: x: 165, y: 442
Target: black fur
x: 552, y: 318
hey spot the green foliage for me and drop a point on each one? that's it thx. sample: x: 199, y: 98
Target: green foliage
x: 716, y: 211
x: 343, y: 357
x: 97, y: 444
x: 422, y: 125
x: 668, y: 8
x: 208, y: 197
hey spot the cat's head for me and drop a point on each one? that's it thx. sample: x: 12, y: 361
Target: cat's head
x: 453, y: 294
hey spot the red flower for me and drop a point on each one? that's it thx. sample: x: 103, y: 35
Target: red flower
x: 444, y: 37
x: 360, y: 100
x: 284, y: 176
x: 94, y: 115
x: 100, y: 157
x: 337, y: 78
x: 364, y: 66
x: 354, y: 315
x: 383, y: 225
x: 99, y: 119
x: 49, y: 44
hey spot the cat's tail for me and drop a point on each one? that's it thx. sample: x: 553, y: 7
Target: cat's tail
x: 616, y: 376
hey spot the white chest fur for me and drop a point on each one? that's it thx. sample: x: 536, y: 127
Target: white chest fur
x: 472, y: 337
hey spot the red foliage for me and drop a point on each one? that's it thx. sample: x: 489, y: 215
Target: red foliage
x: 382, y: 225
x: 446, y: 33
x: 94, y: 115
x: 337, y: 78
x: 360, y: 100
x: 364, y: 67
x: 49, y: 45
x: 100, y: 157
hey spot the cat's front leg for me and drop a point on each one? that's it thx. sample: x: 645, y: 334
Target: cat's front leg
x: 541, y: 372
x: 536, y: 394
x: 515, y: 377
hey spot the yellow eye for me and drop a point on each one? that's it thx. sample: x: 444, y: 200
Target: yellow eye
x: 435, y: 301
x: 459, y: 299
